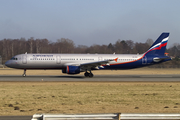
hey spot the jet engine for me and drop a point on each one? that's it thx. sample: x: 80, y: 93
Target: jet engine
x: 71, y: 70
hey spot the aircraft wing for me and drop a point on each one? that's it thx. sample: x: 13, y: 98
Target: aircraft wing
x: 97, y: 64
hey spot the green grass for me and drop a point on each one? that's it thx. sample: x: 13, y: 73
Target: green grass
x: 28, y: 98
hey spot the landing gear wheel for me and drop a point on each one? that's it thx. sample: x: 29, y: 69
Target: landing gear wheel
x: 91, y: 75
x: 86, y: 74
x: 24, y: 74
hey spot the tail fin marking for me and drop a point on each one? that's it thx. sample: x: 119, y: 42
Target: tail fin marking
x: 159, y: 45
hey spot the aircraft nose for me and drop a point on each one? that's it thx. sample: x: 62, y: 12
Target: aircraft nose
x: 8, y: 63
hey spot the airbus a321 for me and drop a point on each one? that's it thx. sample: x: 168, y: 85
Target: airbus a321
x: 76, y: 63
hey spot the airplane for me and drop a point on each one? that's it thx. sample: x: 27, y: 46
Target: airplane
x: 76, y: 63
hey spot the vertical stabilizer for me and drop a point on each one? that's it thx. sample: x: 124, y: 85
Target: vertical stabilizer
x: 159, y: 46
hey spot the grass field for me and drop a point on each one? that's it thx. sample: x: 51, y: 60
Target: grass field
x: 28, y: 98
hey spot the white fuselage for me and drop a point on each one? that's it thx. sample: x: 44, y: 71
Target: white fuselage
x: 59, y: 61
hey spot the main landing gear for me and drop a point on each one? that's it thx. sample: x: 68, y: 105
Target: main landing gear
x: 88, y: 74
x: 24, y: 74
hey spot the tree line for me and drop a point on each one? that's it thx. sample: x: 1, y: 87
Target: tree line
x: 11, y: 47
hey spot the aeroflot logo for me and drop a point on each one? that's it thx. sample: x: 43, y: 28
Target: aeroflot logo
x: 159, y: 45
x: 42, y: 55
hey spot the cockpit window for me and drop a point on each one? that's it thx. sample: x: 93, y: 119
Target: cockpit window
x: 13, y: 58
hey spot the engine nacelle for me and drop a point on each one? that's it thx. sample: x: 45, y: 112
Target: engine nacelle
x: 71, y: 70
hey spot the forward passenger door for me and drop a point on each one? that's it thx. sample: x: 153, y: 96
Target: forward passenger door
x: 24, y: 59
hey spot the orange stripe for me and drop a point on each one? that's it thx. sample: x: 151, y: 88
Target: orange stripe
x: 67, y: 70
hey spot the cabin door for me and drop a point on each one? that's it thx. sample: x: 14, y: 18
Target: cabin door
x: 144, y: 60
x: 24, y: 59
x: 58, y: 59
x: 99, y: 58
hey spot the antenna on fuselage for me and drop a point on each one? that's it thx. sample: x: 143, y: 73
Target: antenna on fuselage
x: 26, y: 53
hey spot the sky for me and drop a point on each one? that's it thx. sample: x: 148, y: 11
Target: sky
x: 89, y: 22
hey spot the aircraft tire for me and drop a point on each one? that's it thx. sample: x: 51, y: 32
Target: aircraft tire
x: 24, y: 75
x: 91, y: 75
x: 86, y: 74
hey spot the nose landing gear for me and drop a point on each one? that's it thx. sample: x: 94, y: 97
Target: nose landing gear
x: 24, y: 74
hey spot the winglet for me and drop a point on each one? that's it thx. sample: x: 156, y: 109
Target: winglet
x: 116, y: 59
